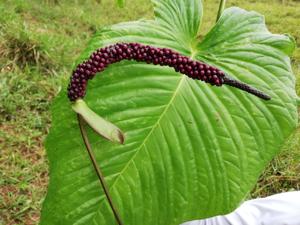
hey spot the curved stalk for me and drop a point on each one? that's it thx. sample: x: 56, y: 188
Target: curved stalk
x: 100, y: 176
x: 221, y: 9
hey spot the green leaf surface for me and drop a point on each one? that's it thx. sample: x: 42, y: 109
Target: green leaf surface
x: 192, y: 150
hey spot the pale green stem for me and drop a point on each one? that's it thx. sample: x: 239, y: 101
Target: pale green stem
x: 221, y: 9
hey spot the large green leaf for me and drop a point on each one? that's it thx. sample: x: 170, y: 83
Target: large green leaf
x: 192, y: 150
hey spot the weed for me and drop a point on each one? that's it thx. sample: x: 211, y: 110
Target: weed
x: 22, y: 51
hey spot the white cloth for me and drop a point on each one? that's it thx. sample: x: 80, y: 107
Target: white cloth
x: 279, y: 209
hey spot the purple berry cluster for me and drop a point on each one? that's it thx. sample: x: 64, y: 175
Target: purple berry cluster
x: 103, y: 57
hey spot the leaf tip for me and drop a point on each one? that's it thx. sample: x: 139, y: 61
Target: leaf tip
x: 293, y: 44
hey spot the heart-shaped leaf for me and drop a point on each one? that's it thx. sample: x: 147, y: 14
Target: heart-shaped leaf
x: 192, y: 150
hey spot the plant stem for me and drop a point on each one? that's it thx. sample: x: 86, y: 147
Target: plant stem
x: 96, y: 167
x: 221, y: 9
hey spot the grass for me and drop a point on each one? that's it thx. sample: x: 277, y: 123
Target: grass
x: 39, y: 42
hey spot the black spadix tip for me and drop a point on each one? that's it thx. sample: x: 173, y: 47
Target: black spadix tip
x: 245, y: 87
